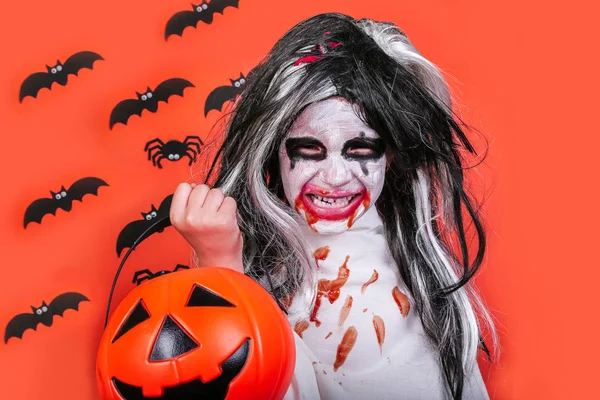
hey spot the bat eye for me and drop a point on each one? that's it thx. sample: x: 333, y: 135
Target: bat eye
x: 242, y: 81
x: 237, y: 84
x: 53, y: 70
x: 57, y: 196
x: 148, y: 217
x: 38, y: 311
x: 44, y: 309
x: 199, y: 9
x: 149, y: 94
x: 144, y: 97
x: 59, y: 68
x: 204, y: 6
x: 153, y: 214
x: 63, y: 193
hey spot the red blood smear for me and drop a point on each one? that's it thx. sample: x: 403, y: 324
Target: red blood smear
x: 379, y: 331
x: 301, y: 326
x: 372, y: 279
x: 345, y: 347
x: 310, y: 218
x: 402, y: 300
x: 331, y: 289
x: 345, y: 311
x: 329, y: 334
x: 365, y: 309
x: 321, y: 254
x: 365, y: 203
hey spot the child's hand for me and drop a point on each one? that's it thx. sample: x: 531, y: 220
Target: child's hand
x: 208, y: 221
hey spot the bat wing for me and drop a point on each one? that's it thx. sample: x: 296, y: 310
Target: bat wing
x: 181, y: 20
x: 89, y: 185
x: 17, y: 326
x: 66, y: 301
x: 124, y: 110
x: 165, y: 206
x: 218, y: 97
x: 220, y: 5
x: 170, y: 87
x: 83, y: 59
x: 131, y: 233
x: 40, y: 207
x: 34, y: 83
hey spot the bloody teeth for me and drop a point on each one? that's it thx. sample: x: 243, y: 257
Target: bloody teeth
x: 331, y: 202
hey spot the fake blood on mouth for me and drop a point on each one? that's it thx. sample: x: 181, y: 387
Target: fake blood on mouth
x: 315, y: 213
x: 331, y: 289
x: 345, y: 347
x: 372, y: 279
x: 401, y: 300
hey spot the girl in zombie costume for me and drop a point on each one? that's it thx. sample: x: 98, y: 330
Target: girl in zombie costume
x: 340, y: 189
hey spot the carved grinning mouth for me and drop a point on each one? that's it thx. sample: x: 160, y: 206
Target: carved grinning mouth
x: 196, y: 389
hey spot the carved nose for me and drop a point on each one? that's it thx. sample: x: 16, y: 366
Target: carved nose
x: 172, y: 342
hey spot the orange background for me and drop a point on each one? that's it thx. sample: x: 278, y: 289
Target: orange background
x: 525, y: 75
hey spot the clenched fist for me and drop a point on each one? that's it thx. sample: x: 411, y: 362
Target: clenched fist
x: 207, y: 219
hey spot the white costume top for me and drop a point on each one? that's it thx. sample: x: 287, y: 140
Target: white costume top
x: 391, y: 358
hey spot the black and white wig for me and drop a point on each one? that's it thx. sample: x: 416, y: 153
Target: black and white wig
x: 425, y: 207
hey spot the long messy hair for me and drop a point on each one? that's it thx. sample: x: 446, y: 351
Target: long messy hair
x: 425, y: 207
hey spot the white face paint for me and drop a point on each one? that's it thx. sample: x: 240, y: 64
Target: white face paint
x: 332, y: 165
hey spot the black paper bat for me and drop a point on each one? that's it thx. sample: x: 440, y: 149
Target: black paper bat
x: 62, y: 199
x: 44, y: 314
x: 58, y: 73
x: 223, y: 94
x: 148, y: 100
x: 201, y: 12
x: 135, y: 229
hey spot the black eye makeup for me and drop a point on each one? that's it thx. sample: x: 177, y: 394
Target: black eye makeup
x: 363, y: 148
x: 305, y: 148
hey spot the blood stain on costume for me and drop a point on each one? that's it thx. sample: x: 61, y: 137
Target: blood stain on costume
x: 366, y: 202
x: 324, y: 372
x: 321, y: 254
x: 301, y: 326
x: 372, y: 279
x: 345, y: 346
x: 329, y: 334
x: 345, y: 311
x: 379, y: 330
x: 402, y: 301
x: 365, y: 309
x: 331, y: 289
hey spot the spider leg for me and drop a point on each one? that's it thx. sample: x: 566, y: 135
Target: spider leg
x: 136, y: 276
x: 155, y: 156
x: 192, y: 157
x: 157, y: 140
x: 188, y: 139
x: 160, y: 157
x: 151, y: 149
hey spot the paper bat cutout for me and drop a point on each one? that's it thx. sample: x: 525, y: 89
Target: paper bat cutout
x: 44, y: 314
x: 201, y: 12
x: 62, y: 199
x: 135, y: 229
x: 58, y: 73
x: 148, y: 100
x: 223, y: 94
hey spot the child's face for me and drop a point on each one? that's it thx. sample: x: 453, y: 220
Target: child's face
x: 332, y: 165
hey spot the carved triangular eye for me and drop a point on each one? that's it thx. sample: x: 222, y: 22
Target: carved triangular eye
x: 137, y: 316
x: 202, y: 297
